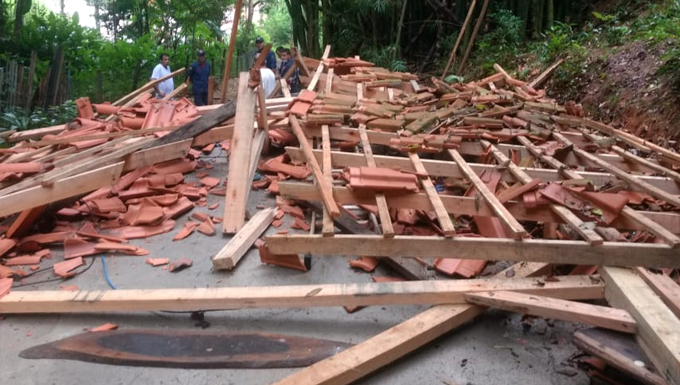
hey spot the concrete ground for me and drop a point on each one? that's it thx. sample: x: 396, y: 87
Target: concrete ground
x: 493, y: 349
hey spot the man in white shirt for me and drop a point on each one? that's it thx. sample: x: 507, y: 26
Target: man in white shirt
x: 267, y: 78
x: 161, y: 70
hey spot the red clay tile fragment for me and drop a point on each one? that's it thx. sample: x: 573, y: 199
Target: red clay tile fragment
x: 186, y: 230
x: 182, y: 206
x: 210, y: 181
x: 108, y: 205
x: 157, y: 261
x: 277, y: 223
x: 180, y: 265
x: 68, y: 213
x: 74, y: 247
x: 128, y: 179
x: 25, y: 260
x: 467, y: 268
x: 147, y: 213
x: 201, y: 217
x: 276, y: 165
x: 208, y: 148
x: 207, y: 227
x: 135, y: 232
x: 139, y: 189
x: 301, y: 224
x: 24, y: 221
x: 291, y: 261
x: 165, y: 180
x: 213, y: 206
x: 6, y: 244
x: 5, y: 286
x: 104, y: 328
x: 295, y: 211
x: 69, y: 287
x: 63, y: 269
x: 25, y: 168
x: 380, y: 180
x: 5, y: 272
x: 367, y: 264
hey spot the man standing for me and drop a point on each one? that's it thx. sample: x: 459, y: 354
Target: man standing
x: 286, y: 63
x: 199, y: 75
x: 270, y: 60
x: 162, y: 70
x: 267, y: 78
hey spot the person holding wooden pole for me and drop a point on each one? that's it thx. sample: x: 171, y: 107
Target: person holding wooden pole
x: 162, y: 69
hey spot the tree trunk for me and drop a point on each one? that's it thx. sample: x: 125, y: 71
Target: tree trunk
x: 550, y: 14
x: 400, y: 24
x: 137, y: 74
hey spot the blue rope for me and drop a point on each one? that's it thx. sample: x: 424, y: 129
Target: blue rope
x: 106, y: 274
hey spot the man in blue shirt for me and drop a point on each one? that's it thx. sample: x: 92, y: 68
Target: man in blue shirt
x: 270, y: 60
x: 199, y: 75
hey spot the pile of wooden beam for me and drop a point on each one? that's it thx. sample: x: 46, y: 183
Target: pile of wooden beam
x: 419, y: 174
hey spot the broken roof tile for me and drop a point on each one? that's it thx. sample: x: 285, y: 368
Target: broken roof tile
x: 186, y: 230
x: 63, y: 269
x: 104, y: 328
x: 157, y: 261
x: 180, y: 265
x: 379, y: 179
x: 75, y: 247
x: 291, y: 261
x: 367, y: 264
x: 207, y: 227
x: 120, y: 247
x: 5, y: 286
x: 135, y: 232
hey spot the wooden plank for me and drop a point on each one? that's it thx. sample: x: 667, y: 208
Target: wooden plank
x: 61, y: 189
x: 667, y: 289
x: 283, y: 85
x: 564, y: 213
x: 380, y: 200
x: 502, y: 213
x: 290, y: 296
x: 329, y: 80
x: 443, y: 168
x: 428, y: 186
x: 328, y: 228
x: 146, y: 87
x: 155, y: 155
x: 238, y: 246
x: 36, y: 133
x: 545, y: 74
x: 319, y: 69
x: 618, y: 350
x: 632, y: 181
x: 238, y: 186
x: 261, y: 135
x: 658, y: 328
x: 129, y: 133
x: 496, y: 249
x: 466, y: 206
x: 230, y: 52
x: 370, y: 355
x: 602, y: 316
x: 325, y: 189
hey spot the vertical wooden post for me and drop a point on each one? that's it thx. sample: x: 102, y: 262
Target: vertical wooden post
x: 230, y: 52
x: 31, y: 76
x: 459, y: 38
x: 19, y: 96
x: 474, y: 35
x: 211, y: 90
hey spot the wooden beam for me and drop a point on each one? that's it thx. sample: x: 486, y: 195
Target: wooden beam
x: 501, y: 212
x: 658, y: 328
x: 667, y: 289
x: 652, y: 227
x: 325, y: 188
x: 230, y: 51
x: 632, y: 181
x: 238, y: 246
x: 443, y: 168
x: 292, y: 296
x: 319, y: 69
x: 61, y: 189
x: 495, y: 249
x: 433, y: 195
x: 545, y: 74
x: 155, y: 155
x: 571, y: 311
x: 381, y: 201
x: 461, y: 32
x: 467, y: 206
x: 564, y: 213
x: 370, y: 355
x: 328, y: 228
x: 238, y: 186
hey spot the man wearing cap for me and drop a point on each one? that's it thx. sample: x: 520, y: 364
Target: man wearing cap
x: 270, y: 60
x: 199, y: 75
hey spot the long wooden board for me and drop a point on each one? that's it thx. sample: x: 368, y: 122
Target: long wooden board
x: 493, y: 249
x: 238, y: 246
x: 602, y: 316
x: 394, y: 343
x: 658, y: 328
x: 61, y: 189
x: 297, y: 296
x: 238, y: 185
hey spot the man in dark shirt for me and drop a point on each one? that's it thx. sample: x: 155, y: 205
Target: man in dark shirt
x: 199, y: 75
x: 270, y: 60
x: 286, y: 63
